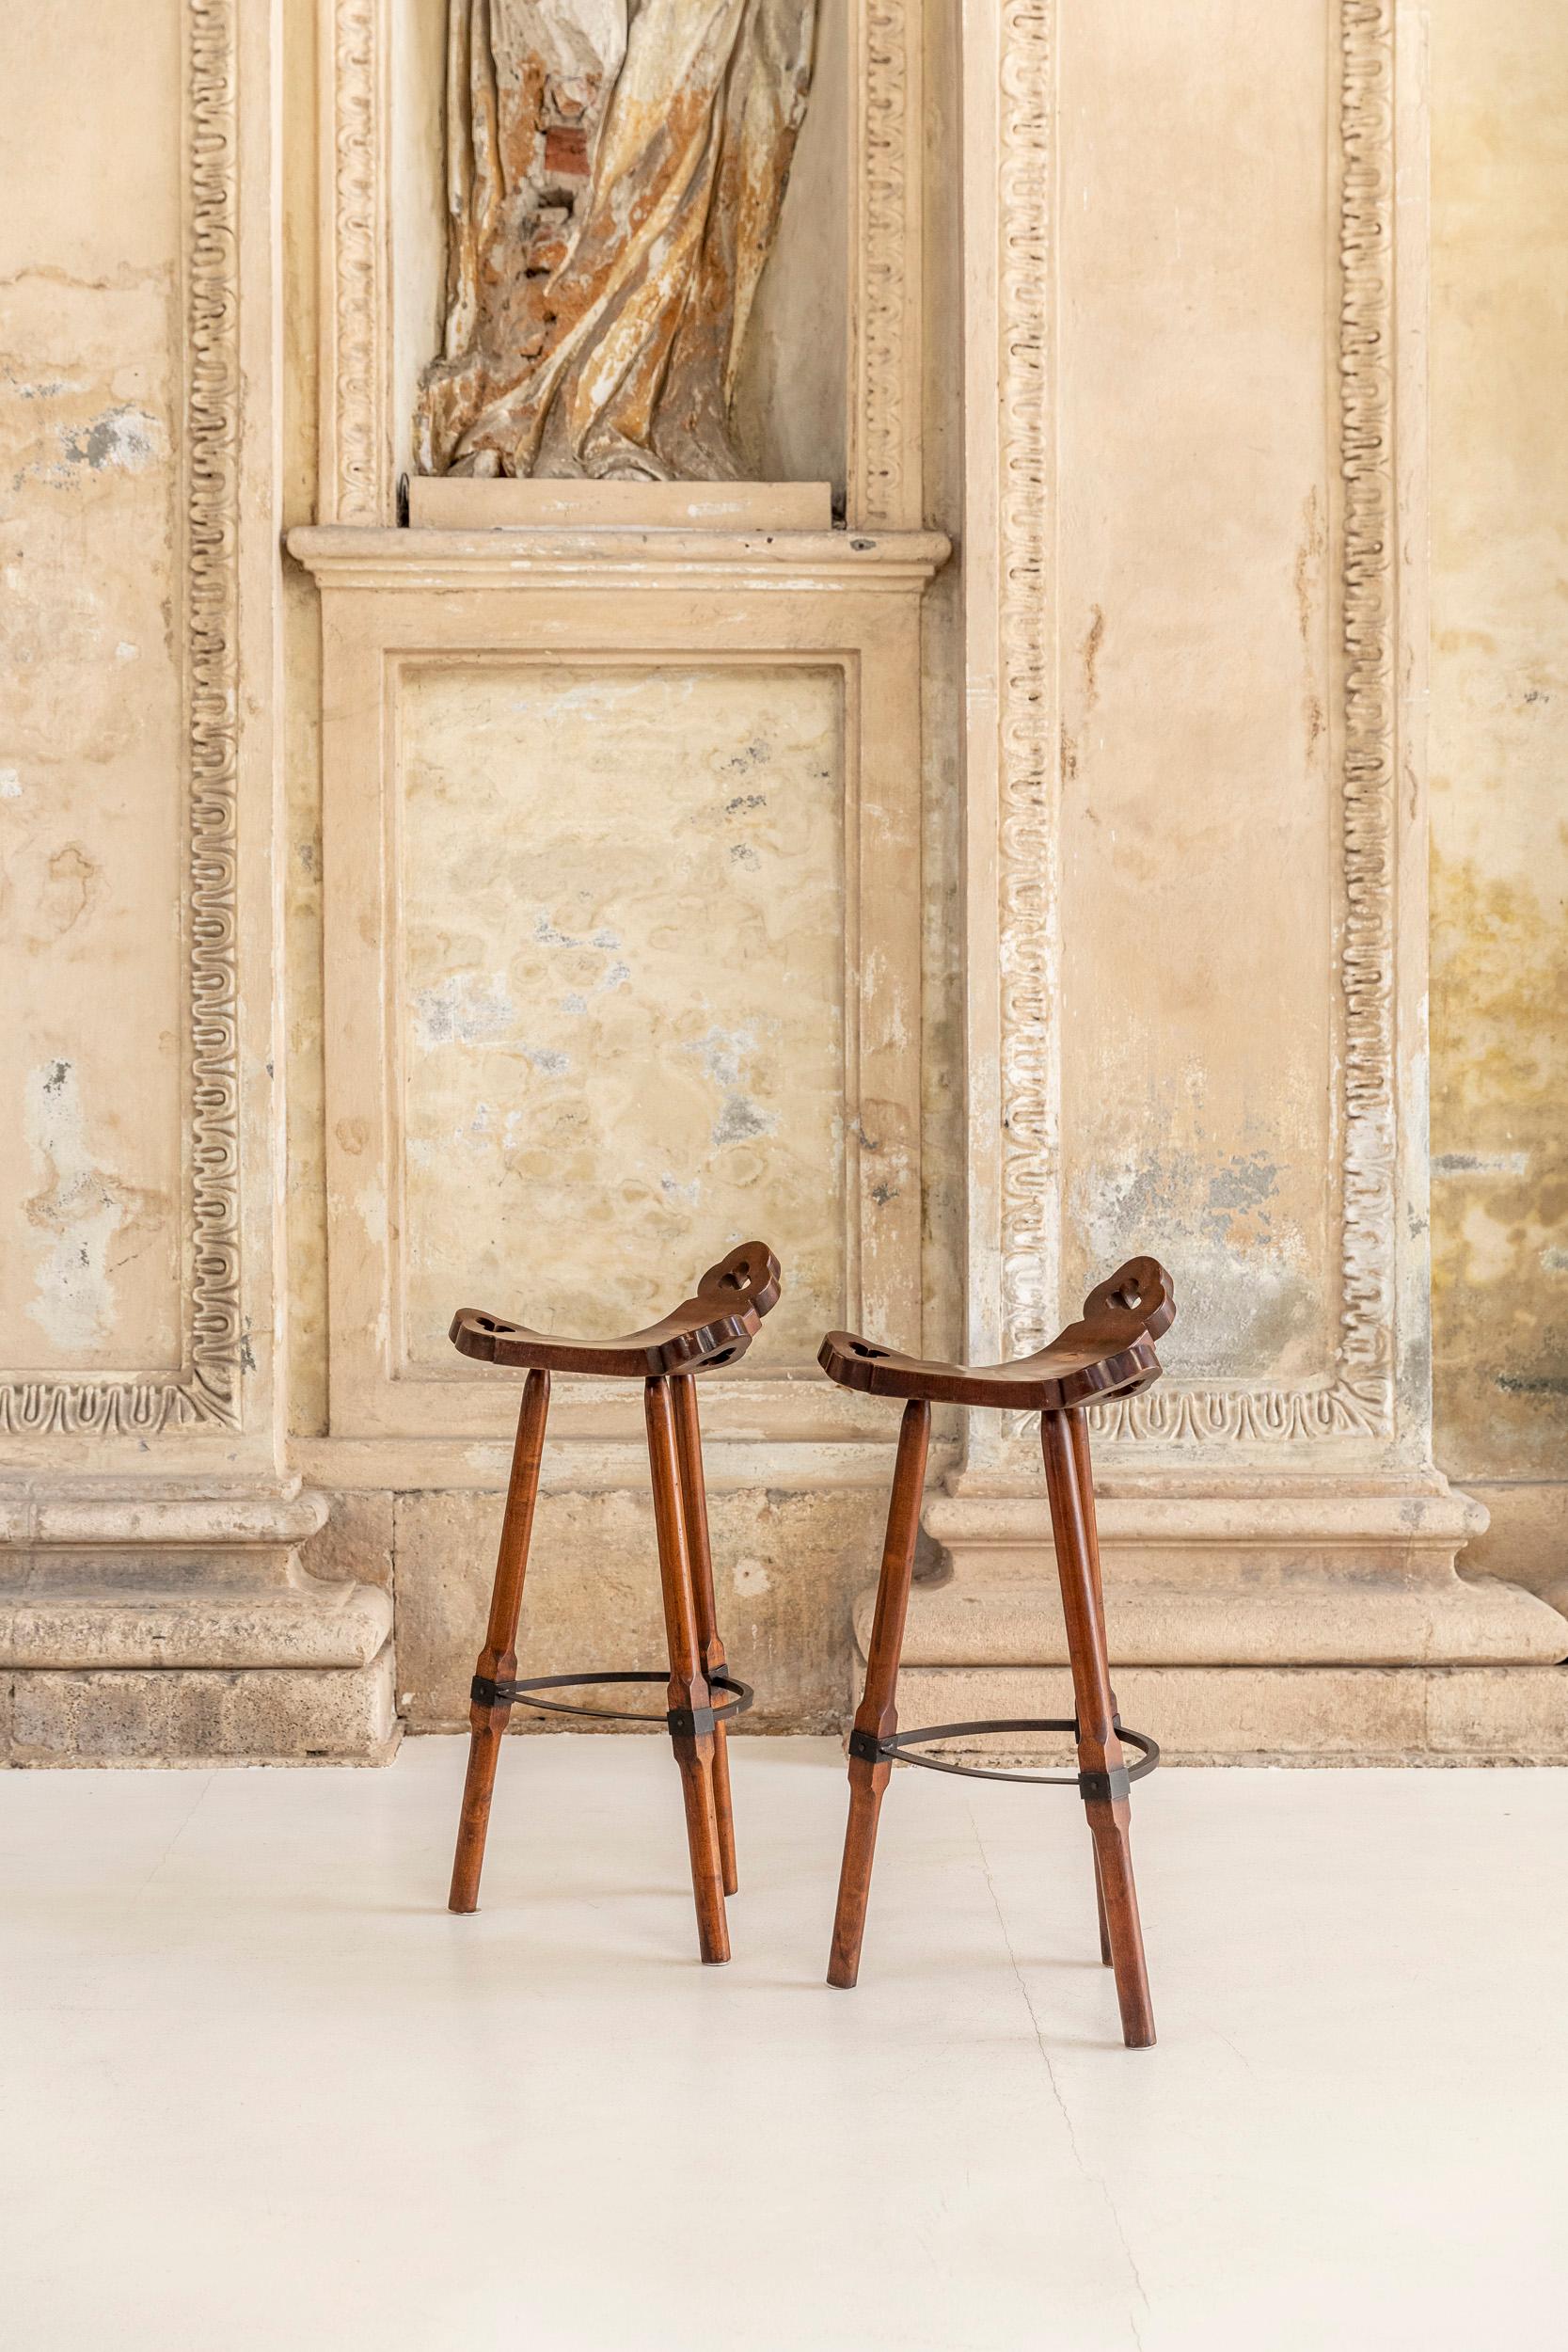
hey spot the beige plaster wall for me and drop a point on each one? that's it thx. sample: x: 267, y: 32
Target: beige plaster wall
x: 622, y: 985
x: 1196, y: 673
x: 1499, y: 771
x: 91, y: 701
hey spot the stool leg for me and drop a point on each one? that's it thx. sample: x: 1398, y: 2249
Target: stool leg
x: 877, y: 1713
x: 689, y: 1441
x: 1099, y: 1908
x: 1098, y: 1748
x: 497, y: 1659
x: 1078, y: 1429
x: 694, y: 1751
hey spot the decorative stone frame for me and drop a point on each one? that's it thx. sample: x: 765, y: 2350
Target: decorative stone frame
x: 883, y: 388
x: 820, y: 600
x: 1012, y: 752
x: 204, y: 1392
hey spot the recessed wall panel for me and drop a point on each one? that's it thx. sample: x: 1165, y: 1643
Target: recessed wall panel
x: 91, y: 749
x: 1197, y: 677
x: 620, y: 992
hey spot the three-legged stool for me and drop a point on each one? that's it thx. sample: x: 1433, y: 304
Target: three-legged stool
x: 1110, y: 1353
x: 715, y: 1327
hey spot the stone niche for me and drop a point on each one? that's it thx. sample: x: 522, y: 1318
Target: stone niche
x: 804, y: 398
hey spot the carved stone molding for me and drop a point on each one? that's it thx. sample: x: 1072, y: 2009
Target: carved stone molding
x: 1029, y: 945
x: 355, y: 455
x: 205, y: 1391
x: 1357, y: 1398
x: 884, y: 488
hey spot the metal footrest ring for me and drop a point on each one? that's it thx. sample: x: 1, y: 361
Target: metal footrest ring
x: 680, y: 1722
x: 898, y: 1746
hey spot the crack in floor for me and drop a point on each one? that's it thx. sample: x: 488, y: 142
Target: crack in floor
x: 1096, y: 2180
x: 201, y: 1797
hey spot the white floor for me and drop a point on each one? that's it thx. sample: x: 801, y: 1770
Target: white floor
x: 258, y: 2088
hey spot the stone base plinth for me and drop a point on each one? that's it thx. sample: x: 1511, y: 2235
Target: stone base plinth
x: 1341, y: 1715
x: 1293, y: 1624
x: 177, y: 1628
x: 200, y: 1718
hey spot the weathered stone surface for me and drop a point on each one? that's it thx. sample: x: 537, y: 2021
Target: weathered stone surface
x: 107, y: 1519
x: 65, y: 1619
x: 356, y: 1543
x: 456, y: 502
x: 90, y: 521
x: 1499, y: 750
x: 645, y: 974
x: 623, y: 991
x: 1321, y: 1576
x: 1527, y: 1539
x: 270, y: 1716
x: 787, y: 1568
x: 1276, y: 1714
x: 1377, y: 1619
x: 169, y: 1621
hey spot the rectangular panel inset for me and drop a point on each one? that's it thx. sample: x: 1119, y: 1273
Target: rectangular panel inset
x: 619, y: 992
x: 1201, y: 693
x: 91, y: 814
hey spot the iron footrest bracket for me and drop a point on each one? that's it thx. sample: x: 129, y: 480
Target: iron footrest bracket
x: 899, y: 1746
x: 680, y: 1722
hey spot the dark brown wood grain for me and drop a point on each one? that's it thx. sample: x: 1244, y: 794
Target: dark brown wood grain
x: 688, y: 1687
x: 497, y: 1659
x: 1109, y: 1352
x: 712, y: 1328
x: 878, y: 1712
x: 1078, y: 1429
x: 1098, y: 1748
x: 688, y: 1443
x: 715, y: 1326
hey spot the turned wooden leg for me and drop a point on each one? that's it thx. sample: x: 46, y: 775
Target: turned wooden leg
x: 1078, y: 1430
x: 876, y: 1716
x: 1100, y: 1752
x: 497, y: 1659
x: 689, y: 1690
x: 710, y: 1649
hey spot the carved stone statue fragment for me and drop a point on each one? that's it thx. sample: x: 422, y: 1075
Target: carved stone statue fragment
x: 614, y: 174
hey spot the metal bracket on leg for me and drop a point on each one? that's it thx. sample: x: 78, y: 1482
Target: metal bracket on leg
x: 1092, y: 1787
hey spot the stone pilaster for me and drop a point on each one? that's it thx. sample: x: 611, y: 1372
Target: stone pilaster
x: 1196, y: 573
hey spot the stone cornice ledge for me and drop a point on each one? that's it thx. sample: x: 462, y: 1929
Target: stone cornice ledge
x: 155, y: 1514
x: 342, y: 555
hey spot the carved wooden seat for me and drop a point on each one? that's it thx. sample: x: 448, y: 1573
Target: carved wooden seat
x: 715, y: 1327
x: 712, y: 1328
x: 1109, y: 1353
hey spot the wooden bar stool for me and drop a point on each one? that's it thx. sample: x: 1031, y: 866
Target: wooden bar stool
x: 1110, y: 1353
x: 715, y: 1327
